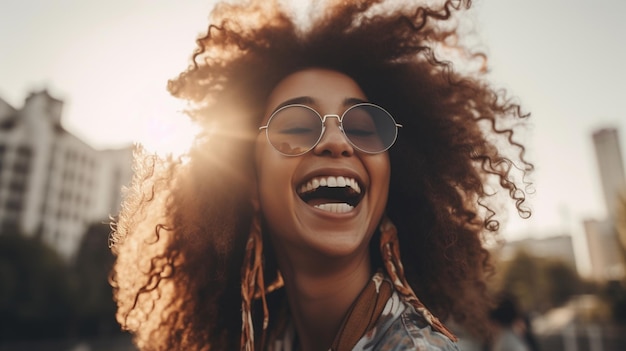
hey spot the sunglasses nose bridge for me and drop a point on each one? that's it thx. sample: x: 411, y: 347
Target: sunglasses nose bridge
x: 333, y: 135
x: 339, y: 124
x: 331, y: 116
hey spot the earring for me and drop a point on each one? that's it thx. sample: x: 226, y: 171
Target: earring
x: 253, y: 284
x: 390, y: 251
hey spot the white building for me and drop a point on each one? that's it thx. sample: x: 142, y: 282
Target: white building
x: 53, y: 184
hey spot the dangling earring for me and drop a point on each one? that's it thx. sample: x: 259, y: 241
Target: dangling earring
x: 390, y: 251
x: 253, y: 284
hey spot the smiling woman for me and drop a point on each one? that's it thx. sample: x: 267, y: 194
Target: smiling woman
x: 334, y: 197
x: 328, y: 224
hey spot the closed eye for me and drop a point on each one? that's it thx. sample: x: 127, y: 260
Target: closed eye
x: 296, y: 130
x: 360, y: 132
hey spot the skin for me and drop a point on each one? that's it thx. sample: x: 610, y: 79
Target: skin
x: 323, y: 256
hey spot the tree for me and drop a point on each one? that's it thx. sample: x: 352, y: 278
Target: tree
x: 36, y: 293
x: 562, y: 281
x: 539, y: 283
x: 521, y: 278
x: 93, y: 262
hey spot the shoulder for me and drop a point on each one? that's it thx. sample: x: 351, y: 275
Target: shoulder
x: 400, y: 327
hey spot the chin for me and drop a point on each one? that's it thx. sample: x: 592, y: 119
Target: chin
x: 339, y: 247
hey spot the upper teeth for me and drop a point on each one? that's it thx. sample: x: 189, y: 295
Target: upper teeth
x: 331, y: 182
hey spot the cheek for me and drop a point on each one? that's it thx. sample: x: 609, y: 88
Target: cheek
x: 381, y: 173
x: 273, y: 173
x: 381, y: 177
x: 264, y: 163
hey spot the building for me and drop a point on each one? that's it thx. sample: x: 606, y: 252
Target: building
x: 52, y: 184
x: 610, y: 166
x: 559, y: 247
x: 604, y: 254
x: 602, y: 239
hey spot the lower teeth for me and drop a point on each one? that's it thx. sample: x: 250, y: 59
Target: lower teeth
x: 335, y: 207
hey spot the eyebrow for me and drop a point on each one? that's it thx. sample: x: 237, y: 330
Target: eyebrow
x: 300, y: 100
x: 307, y: 100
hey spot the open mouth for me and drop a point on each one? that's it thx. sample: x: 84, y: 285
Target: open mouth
x: 332, y: 194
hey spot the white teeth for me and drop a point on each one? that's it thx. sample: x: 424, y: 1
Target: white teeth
x: 330, y: 181
x: 315, y: 183
x: 341, y: 181
x: 335, y: 207
x: 354, y: 185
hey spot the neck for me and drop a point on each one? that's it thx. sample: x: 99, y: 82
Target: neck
x: 319, y: 298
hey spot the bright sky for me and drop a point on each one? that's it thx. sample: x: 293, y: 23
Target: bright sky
x: 110, y: 61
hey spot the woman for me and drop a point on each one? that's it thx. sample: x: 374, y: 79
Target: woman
x: 336, y: 196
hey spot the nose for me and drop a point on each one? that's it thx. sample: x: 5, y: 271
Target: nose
x: 333, y: 142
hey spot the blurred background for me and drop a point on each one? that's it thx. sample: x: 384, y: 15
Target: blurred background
x: 81, y: 81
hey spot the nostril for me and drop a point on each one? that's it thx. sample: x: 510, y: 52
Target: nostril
x: 336, y: 145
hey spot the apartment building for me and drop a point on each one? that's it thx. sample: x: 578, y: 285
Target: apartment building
x: 52, y: 184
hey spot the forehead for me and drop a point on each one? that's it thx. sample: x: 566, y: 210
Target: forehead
x: 327, y: 89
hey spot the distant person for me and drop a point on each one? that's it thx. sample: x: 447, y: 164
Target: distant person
x: 336, y: 197
x: 527, y: 333
x: 511, y: 330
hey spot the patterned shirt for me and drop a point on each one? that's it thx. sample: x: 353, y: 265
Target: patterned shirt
x: 400, y: 327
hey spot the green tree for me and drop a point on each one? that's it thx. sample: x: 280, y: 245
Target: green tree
x: 562, y: 281
x: 539, y: 283
x: 521, y: 277
x: 93, y: 262
x: 36, y: 291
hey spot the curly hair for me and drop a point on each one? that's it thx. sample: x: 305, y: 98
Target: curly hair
x: 181, y: 234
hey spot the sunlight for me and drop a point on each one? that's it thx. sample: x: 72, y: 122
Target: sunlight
x: 167, y: 130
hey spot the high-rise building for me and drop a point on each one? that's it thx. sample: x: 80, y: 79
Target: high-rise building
x: 52, y: 184
x: 601, y: 235
x: 603, y: 246
x: 610, y: 166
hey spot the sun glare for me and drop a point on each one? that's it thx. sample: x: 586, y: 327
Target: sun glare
x: 167, y: 131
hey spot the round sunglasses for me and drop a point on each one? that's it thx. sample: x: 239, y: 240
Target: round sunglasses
x: 294, y: 130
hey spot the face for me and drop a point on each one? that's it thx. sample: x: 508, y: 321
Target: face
x: 330, y: 199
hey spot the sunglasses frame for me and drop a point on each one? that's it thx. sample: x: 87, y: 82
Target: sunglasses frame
x: 323, y: 120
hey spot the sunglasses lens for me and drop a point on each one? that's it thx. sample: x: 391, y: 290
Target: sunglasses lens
x: 369, y: 128
x: 294, y: 130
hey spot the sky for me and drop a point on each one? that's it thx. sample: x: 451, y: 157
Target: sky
x: 109, y: 61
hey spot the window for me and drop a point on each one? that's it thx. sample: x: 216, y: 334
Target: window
x: 2, y: 152
x: 18, y: 183
x: 22, y: 162
x: 14, y: 203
